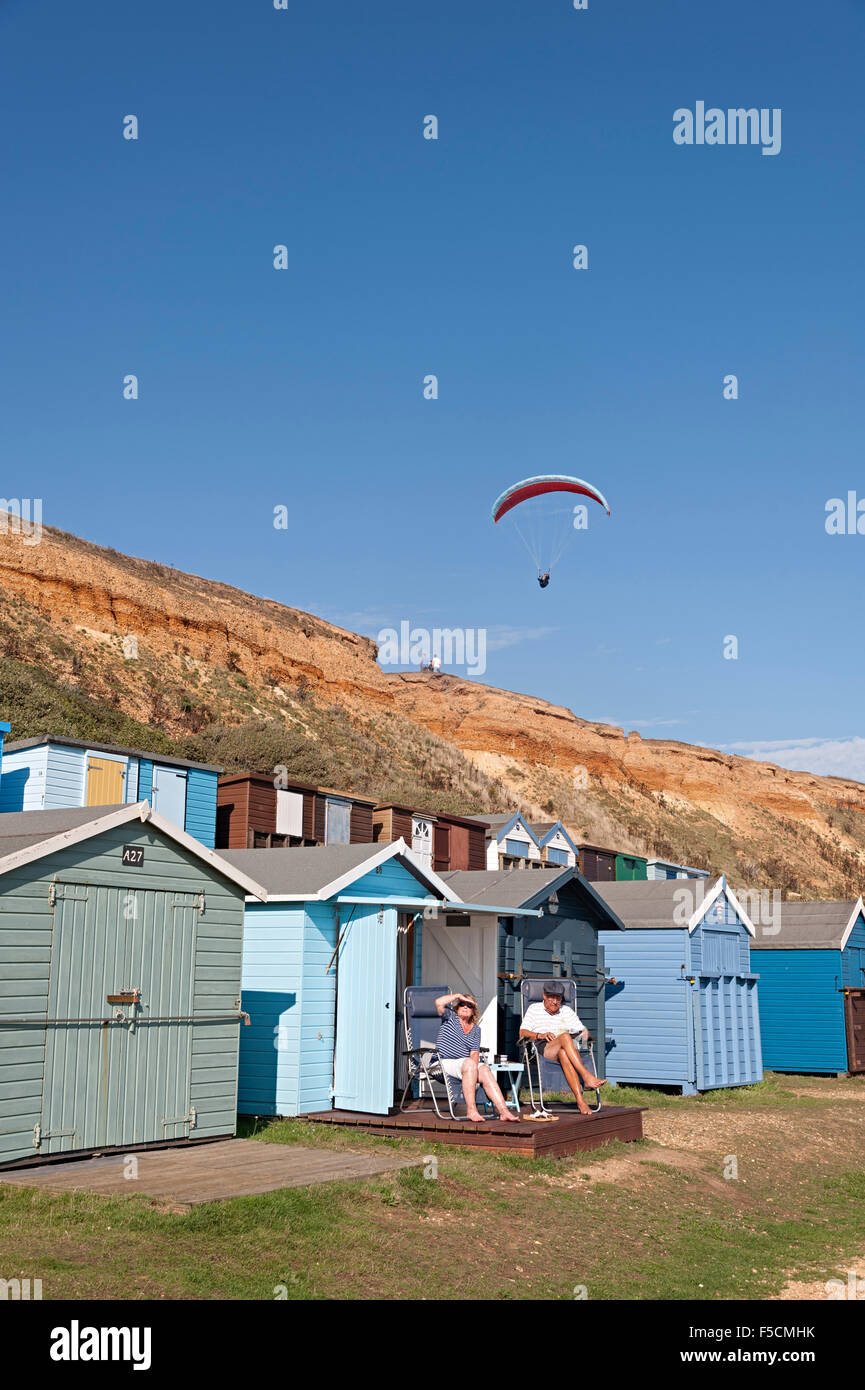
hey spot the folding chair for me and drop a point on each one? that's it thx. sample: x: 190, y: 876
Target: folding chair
x: 421, y: 1022
x: 549, y: 1073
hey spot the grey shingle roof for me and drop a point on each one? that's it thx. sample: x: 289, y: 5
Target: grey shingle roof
x: 22, y: 829
x: 653, y: 902
x: 162, y: 758
x: 30, y: 833
x: 304, y: 869
x: 503, y: 887
x: 808, y: 926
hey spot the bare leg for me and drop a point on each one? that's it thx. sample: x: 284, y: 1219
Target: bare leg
x: 493, y: 1090
x: 556, y: 1052
x: 590, y: 1081
x: 470, y: 1087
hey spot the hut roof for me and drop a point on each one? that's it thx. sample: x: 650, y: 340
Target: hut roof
x: 307, y: 873
x: 658, y: 903
x: 26, y: 836
x: 812, y: 926
x: 521, y: 888
x: 161, y: 758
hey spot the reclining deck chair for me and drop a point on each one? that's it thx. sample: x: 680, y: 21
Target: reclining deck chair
x: 422, y: 1022
x: 550, y: 1074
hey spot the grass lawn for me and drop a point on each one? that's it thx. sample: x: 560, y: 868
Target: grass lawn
x: 661, y: 1219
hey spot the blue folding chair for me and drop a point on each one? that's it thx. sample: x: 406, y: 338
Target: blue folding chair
x: 550, y: 1075
x: 421, y: 1022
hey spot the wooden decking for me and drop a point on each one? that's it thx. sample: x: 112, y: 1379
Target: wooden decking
x: 184, y: 1177
x: 569, y: 1133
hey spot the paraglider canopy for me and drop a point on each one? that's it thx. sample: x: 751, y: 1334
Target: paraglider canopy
x: 536, y: 487
x: 541, y: 512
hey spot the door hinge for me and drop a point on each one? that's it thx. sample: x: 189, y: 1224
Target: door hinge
x: 189, y: 1119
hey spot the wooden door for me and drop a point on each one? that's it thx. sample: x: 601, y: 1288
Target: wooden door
x: 854, y: 1012
x: 363, y: 1071
x: 104, y: 782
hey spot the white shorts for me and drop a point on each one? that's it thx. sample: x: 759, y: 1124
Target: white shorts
x: 453, y: 1066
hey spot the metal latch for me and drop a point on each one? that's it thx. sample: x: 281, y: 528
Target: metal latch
x: 189, y: 1119
x: 125, y: 996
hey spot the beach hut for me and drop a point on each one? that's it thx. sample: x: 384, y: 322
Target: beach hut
x: 812, y: 988
x: 557, y: 847
x: 511, y: 843
x: 4, y: 730
x: 597, y: 864
x: 260, y: 811
x: 44, y: 774
x: 664, y: 868
x: 441, y: 841
x: 325, y: 962
x: 630, y: 867
x: 549, y: 926
x: 120, y: 955
x: 683, y: 1009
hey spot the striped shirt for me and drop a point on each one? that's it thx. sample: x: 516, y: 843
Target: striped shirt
x: 453, y: 1043
x: 537, y: 1020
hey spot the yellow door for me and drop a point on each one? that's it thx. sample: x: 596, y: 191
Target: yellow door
x: 104, y: 782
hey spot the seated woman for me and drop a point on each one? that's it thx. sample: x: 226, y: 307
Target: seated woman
x: 458, y: 1046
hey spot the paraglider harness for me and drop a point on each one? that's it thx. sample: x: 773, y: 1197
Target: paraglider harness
x: 544, y: 579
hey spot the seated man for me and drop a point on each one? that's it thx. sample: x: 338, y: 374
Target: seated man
x: 458, y: 1047
x: 551, y: 1022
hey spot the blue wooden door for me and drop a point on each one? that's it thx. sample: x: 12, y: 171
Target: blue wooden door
x: 727, y: 1031
x: 363, y: 1070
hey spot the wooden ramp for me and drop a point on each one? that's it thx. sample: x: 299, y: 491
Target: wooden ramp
x: 185, y: 1177
x: 569, y: 1133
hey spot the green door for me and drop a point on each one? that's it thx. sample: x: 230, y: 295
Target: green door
x: 118, y: 1073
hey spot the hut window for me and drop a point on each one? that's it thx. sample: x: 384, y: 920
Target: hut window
x: 337, y: 822
x: 517, y: 848
x: 422, y: 839
x: 557, y: 856
x: 289, y: 813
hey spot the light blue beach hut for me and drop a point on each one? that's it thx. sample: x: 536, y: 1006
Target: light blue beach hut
x: 665, y: 868
x: 683, y: 1009
x: 326, y: 960
x: 45, y: 774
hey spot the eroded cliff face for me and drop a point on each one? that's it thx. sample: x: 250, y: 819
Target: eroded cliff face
x: 654, y: 795
x: 483, y: 721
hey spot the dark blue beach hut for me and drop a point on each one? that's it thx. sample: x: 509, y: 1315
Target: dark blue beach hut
x: 812, y: 988
x: 683, y: 1009
x: 549, y: 927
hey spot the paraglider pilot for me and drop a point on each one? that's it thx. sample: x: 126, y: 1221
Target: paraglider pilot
x: 544, y: 579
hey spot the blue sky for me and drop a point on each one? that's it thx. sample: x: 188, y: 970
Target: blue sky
x: 304, y: 387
